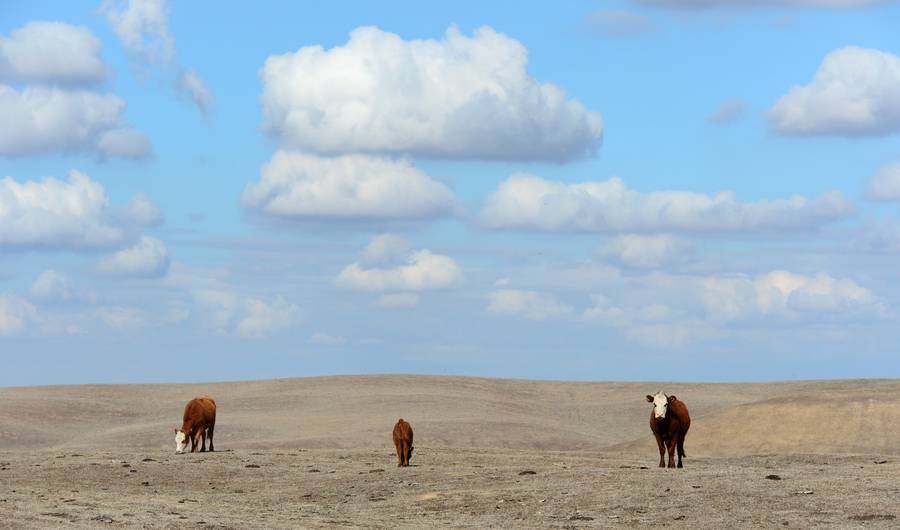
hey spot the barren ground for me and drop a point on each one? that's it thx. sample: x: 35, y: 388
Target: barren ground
x: 489, y: 453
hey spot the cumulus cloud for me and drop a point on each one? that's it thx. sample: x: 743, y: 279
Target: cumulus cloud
x: 784, y: 293
x: 227, y: 312
x: 55, y: 214
x: 143, y: 28
x: 191, y: 84
x: 124, y: 142
x: 664, y: 310
x: 141, y: 210
x: 418, y: 270
x: 15, y: 314
x: 52, y: 285
x: 647, y: 251
x: 855, y: 92
x: 148, y: 258
x: 302, y: 186
x: 531, y: 305
x: 655, y: 325
x: 616, y: 23
x: 459, y: 97
x: 528, y: 202
x: 54, y: 120
x: 707, y: 4
x: 885, y: 185
x: 727, y: 111
x: 386, y: 249
x: 51, y: 52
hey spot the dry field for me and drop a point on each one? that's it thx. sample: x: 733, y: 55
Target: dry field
x: 316, y: 452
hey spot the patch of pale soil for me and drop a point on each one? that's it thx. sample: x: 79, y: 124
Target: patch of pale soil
x: 444, y: 487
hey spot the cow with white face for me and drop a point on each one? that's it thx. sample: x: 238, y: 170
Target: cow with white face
x: 660, y: 404
x: 669, y: 421
x: 199, y: 423
x: 180, y: 441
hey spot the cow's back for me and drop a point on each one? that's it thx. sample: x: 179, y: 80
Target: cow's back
x: 403, y: 431
x: 200, y: 411
x: 681, y: 413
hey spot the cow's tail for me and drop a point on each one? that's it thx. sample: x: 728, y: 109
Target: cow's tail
x: 681, y: 448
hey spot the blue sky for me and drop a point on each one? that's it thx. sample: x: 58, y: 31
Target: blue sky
x: 641, y: 189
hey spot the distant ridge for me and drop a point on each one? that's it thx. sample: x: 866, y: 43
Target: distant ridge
x: 849, y: 416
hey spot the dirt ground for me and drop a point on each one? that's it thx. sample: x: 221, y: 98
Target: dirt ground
x: 444, y: 488
x: 489, y: 453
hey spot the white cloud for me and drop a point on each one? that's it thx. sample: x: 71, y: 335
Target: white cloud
x: 148, y: 258
x: 298, y: 185
x: 727, y: 111
x: 143, y: 211
x: 420, y: 270
x: 705, y: 4
x: 323, y: 339
x: 190, y: 83
x: 460, y: 97
x: 143, y: 28
x: 51, y: 52
x: 855, y: 92
x: 616, y: 23
x: 784, y: 293
x: 603, y: 309
x: 385, y: 249
x: 15, y: 314
x: 52, y: 285
x: 667, y: 311
x: 655, y: 325
x: 398, y: 300
x: 51, y: 120
x: 531, y: 305
x: 125, y: 142
x: 647, y: 251
x: 532, y: 203
x: 54, y: 214
x: 262, y: 318
x: 228, y: 312
x: 885, y: 185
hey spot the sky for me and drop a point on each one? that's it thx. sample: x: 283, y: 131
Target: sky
x: 694, y: 190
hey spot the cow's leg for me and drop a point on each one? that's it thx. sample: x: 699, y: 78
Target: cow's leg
x: 203, y: 440
x: 671, y: 447
x: 195, y: 441
x: 399, y: 445
x: 680, y: 449
x: 662, y: 450
x: 209, y: 432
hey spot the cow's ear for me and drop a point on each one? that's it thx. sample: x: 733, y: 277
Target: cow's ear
x: 671, y: 398
x: 176, y: 431
x: 649, y: 398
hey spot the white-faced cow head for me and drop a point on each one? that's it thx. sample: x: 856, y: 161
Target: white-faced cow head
x: 660, y: 404
x: 180, y: 441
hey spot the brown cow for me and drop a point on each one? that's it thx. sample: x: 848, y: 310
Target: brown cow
x: 403, y: 441
x: 669, y: 421
x: 199, y: 423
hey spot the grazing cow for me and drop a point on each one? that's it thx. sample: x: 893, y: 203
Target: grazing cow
x: 199, y: 423
x: 403, y: 441
x: 669, y: 421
